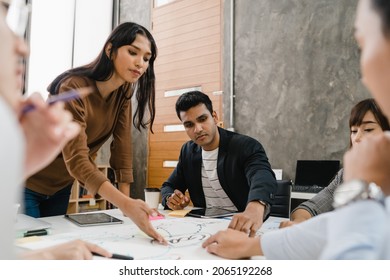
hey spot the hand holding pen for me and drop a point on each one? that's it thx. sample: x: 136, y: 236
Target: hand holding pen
x: 64, y: 97
x: 47, y: 128
x: 71, y: 250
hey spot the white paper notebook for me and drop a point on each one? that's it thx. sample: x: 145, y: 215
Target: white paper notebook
x: 26, y: 223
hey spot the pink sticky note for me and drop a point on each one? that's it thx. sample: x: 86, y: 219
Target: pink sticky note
x: 152, y: 218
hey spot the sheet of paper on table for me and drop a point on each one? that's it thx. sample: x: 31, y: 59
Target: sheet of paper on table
x: 184, y: 236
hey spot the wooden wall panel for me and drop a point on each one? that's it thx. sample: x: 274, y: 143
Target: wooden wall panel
x: 164, y: 155
x: 172, y: 82
x: 207, y: 87
x: 170, y: 102
x: 166, y: 45
x: 188, y: 37
x: 159, y: 136
x: 211, y: 61
x: 182, y: 8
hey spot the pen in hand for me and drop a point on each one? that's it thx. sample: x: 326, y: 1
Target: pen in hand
x: 65, y: 96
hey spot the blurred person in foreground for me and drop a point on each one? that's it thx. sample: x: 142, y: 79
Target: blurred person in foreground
x: 28, y: 143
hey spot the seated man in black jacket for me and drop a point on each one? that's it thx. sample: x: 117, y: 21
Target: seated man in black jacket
x: 219, y: 168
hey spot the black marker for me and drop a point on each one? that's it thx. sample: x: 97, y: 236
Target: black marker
x: 115, y: 256
x: 38, y: 232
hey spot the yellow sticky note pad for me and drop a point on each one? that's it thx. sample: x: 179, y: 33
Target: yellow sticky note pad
x: 28, y: 239
x: 179, y: 213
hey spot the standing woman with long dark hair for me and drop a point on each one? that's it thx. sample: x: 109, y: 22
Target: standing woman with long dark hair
x: 124, y: 67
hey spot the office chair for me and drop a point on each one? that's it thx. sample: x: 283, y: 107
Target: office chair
x: 281, y: 205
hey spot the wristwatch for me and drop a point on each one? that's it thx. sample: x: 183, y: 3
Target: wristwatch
x: 356, y: 190
x: 267, y: 208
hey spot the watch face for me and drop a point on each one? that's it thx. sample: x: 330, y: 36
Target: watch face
x: 348, y: 192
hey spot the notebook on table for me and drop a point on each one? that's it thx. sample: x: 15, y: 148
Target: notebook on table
x: 314, y: 175
x: 25, y: 224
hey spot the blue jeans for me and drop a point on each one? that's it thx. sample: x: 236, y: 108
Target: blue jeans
x: 40, y: 205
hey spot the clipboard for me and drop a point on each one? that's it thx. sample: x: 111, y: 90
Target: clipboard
x: 93, y: 219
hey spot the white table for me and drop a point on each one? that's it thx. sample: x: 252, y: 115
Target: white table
x: 184, y: 236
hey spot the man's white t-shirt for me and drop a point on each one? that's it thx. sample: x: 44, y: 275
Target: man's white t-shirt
x: 214, y: 194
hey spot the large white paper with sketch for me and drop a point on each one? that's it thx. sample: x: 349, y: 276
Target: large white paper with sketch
x: 184, y: 237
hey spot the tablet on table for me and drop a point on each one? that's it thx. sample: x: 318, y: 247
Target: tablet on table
x: 210, y: 213
x: 93, y: 219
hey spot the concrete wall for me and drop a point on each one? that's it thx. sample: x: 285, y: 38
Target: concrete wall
x: 139, y: 12
x: 296, y: 76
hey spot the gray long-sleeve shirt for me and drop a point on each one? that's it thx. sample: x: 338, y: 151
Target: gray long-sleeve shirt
x: 322, y: 202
